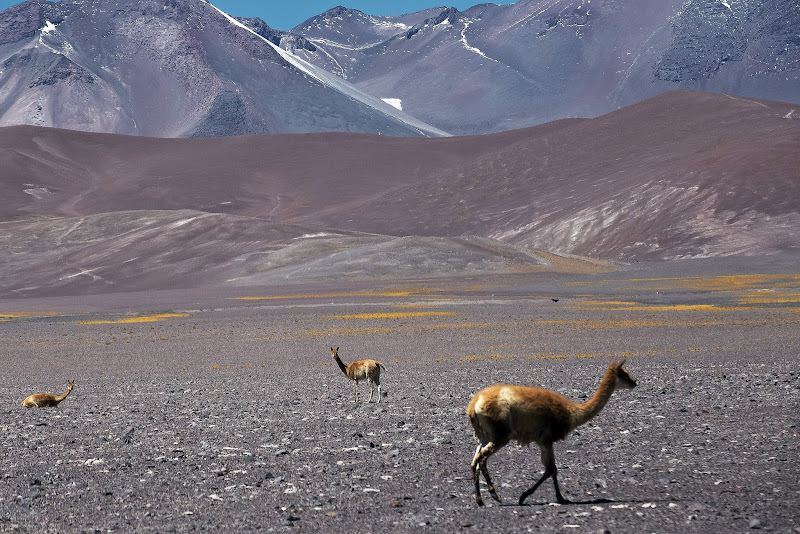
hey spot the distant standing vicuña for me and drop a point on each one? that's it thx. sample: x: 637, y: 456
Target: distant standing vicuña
x: 501, y: 413
x: 47, y: 400
x: 360, y: 370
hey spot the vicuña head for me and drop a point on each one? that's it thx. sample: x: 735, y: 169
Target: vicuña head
x: 47, y: 400
x: 501, y: 413
x: 360, y: 370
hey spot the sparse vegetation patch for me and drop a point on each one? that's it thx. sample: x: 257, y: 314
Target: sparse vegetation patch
x: 140, y: 319
x: 390, y: 315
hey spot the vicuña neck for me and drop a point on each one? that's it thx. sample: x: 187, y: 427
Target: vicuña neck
x: 592, y: 407
x: 342, y: 366
x: 59, y: 398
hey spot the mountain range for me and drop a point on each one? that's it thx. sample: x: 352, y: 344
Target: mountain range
x: 682, y: 175
x: 182, y: 68
x: 499, y: 67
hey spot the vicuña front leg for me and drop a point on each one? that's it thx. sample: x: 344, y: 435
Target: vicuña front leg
x: 549, y: 462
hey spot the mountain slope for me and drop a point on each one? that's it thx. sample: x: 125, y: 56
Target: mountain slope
x: 180, y: 69
x: 54, y: 172
x: 499, y: 67
x: 679, y: 175
x: 129, y: 251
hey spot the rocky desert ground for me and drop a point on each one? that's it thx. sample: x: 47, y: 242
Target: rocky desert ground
x: 222, y: 410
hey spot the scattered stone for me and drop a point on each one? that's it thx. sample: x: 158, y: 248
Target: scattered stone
x: 240, y: 486
x: 127, y: 436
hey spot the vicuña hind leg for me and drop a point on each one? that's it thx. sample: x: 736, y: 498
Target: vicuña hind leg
x: 489, y: 483
x: 479, y: 462
x: 476, y: 476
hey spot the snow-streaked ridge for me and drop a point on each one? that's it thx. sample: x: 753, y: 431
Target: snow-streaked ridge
x: 338, y: 84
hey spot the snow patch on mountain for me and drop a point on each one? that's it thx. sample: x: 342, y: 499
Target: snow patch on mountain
x: 51, y: 39
x: 48, y: 27
x: 467, y: 45
x: 396, y: 102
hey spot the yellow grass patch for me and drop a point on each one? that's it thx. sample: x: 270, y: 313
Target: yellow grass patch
x: 389, y: 315
x: 647, y: 322
x: 735, y: 282
x: 141, y: 319
x: 609, y: 303
x: 586, y: 283
x: 762, y: 297
x: 418, y: 305
x: 677, y: 307
x: 388, y: 292
x: 624, y: 305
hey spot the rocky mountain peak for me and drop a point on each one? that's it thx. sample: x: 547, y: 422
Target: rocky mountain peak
x: 449, y: 15
x: 24, y: 20
x: 172, y: 68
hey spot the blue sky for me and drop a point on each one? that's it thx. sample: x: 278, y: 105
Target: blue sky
x: 286, y: 14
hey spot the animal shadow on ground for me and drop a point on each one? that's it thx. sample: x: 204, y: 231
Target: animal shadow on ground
x: 593, y: 501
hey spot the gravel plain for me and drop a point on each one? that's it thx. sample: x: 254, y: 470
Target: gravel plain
x: 227, y: 414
